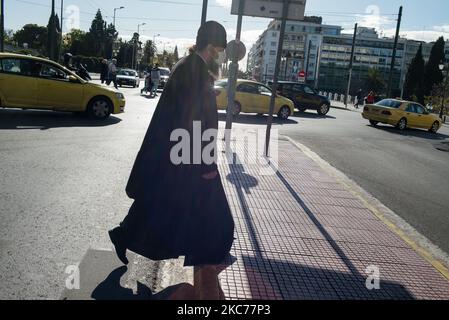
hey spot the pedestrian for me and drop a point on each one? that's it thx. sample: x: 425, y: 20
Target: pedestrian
x: 180, y: 208
x: 112, y: 73
x: 104, y: 71
x: 359, y: 99
x: 155, y: 79
x: 370, y: 98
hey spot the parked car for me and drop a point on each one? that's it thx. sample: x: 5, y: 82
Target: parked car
x: 303, y: 96
x: 252, y: 97
x: 401, y: 114
x: 29, y: 82
x: 165, y: 74
x: 128, y: 77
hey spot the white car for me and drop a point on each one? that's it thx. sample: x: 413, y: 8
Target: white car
x: 128, y: 77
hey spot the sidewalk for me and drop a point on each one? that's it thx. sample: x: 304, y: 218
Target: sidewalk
x: 300, y: 234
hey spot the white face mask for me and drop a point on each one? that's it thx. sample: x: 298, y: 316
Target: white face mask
x: 221, y: 58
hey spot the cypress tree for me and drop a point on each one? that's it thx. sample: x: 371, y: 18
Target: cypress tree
x: 414, y: 82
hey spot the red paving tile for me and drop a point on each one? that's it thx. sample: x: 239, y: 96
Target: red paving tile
x: 301, y: 235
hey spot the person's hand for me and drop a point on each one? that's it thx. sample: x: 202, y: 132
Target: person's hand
x: 210, y: 175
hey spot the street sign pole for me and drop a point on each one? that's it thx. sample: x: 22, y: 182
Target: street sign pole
x: 204, y: 12
x: 276, y: 74
x: 2, y: 26
x: 232, y: 81
x: 351, y: 65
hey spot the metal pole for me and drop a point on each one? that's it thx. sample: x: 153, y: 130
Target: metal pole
x: 393, y: 58
x: 444, y: 93
x: 2, y: 26
x: 52, y: 32
x: 286, y: 66
x: 204, y: 13
x: 276, y: 74
x: 232, y: 80
x: 62, y: 26
x: 308, y: 59
x: 351, y: 64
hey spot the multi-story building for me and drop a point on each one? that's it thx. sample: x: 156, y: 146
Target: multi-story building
x: 300, y: 49
x: 324, y: 54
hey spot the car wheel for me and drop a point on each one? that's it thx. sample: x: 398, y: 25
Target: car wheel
x: 301, y: 109
x: 402, y: 124
x: 99, y: 108
x: 284, y: 113
x: 323, y: 109
x: 435, y: 127
x: 373, y: 123
x: 237, y: 109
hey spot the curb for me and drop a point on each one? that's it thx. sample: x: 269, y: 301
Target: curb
x: 419, y: 243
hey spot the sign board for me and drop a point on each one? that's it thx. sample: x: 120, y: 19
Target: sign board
x: 270, y: 9
x: 302, y: 74
x: 234, y: 47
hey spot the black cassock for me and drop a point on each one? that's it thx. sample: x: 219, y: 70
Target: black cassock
x: 176, y: 212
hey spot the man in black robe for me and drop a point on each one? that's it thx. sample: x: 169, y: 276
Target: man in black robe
x: 180, y: 209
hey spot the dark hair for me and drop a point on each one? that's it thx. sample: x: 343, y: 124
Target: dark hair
x: 212, y: 33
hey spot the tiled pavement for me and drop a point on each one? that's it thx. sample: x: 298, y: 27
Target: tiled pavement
x: 301, y: 235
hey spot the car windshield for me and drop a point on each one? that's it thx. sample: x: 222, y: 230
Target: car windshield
x: 389, y: 103
x: 129, y: 73
x: 221, y: 83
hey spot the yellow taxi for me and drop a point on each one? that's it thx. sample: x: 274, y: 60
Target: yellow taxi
x: 29, y: 82
x: 252, y: 97
x: 402, y: 115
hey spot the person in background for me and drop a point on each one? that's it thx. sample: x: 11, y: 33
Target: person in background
x: 370, y: 98
x: 104, y: 71
x: 112, y: 73
x: 155, y: 79
x: 359, y: 99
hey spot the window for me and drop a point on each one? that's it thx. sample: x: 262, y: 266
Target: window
x: 17, y: 66
x: 419, y: 109
x: 298, y: 88
x: 247, y: 88
x: 389, y: 103
x: 264, y: 90
x: 272, y: 52
x: 51, y: 72
x: 273, y: 44
x: 308, y: 90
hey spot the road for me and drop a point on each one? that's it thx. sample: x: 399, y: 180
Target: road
x: 63, y: 179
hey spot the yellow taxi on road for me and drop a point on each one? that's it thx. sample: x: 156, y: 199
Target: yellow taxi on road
x: 252, y: 97
x: 401, y: 114
x: 29, y: 82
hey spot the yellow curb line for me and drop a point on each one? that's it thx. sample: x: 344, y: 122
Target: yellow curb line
x: 438, y: 265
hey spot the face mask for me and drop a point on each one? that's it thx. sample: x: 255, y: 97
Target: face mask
x: 221, y: 58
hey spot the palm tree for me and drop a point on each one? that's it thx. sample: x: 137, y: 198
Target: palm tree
x: 374, y: 81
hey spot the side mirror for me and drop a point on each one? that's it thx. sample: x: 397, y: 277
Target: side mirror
x: 73, y: 79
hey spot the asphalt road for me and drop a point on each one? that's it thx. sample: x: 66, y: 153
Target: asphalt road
x: 63, y: 177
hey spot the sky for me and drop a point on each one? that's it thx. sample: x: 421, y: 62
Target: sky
x: 175, y: 22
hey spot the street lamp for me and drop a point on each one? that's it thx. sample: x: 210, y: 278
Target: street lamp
x: 115, y: 9
x: 154, y: 44
x: 442, y: 67
x: 135, y: 44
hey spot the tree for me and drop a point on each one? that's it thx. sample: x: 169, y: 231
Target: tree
x: 76, y: 42
x: 374, y: 81
x: 54, y: 37
x: 101, y: 36
x: 149, y: 51
x: 432, y: 74
x: 32, y: 34
x: 414, y: 81
x: 176, y: 54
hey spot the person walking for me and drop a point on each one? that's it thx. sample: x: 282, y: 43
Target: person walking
x: 370, y: 99
x: 112, y: 73
x: 155, y: 79
x: 180, y: 207
x: 359, y: 99
x: 104, y: 71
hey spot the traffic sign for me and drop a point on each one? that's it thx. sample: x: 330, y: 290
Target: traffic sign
x: 270, y: 9
x: 301, y: 74
x: 235, y: 47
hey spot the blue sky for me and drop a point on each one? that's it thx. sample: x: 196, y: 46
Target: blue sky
x: 177, y: 23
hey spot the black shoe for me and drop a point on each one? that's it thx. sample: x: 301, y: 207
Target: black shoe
x: 120, y: 249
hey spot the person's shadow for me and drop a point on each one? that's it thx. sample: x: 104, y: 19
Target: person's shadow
x: 111, y: 289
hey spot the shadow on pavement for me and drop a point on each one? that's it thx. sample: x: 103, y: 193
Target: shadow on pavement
x: 419, y: 133
x: 11, y: 119
x: 311, y: 115
x: 274, y: 279
x: 255, y: 119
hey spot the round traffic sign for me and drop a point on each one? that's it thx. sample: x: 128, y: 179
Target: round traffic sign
x: 302, y: 74
x: 235, y: 48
